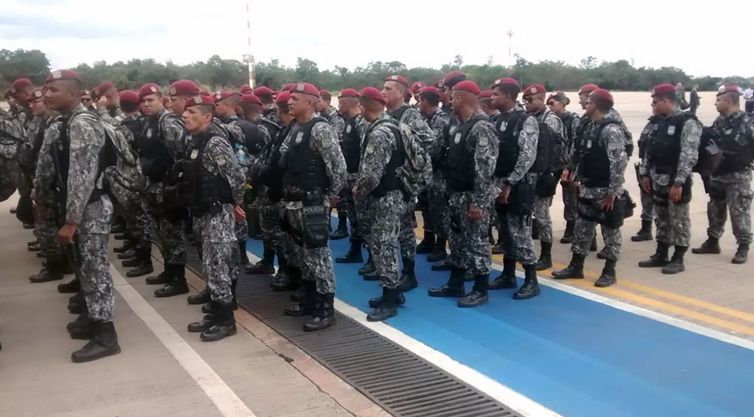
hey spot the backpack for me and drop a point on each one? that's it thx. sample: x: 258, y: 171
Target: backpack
x: 416, y: 172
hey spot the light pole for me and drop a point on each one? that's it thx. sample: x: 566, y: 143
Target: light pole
x: 248, y: 58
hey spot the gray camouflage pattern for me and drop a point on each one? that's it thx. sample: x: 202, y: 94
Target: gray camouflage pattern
x: 383, y: 239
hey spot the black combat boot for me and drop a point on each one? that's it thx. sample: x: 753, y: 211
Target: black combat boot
x: 71, y: 287
x: 82, y: 328
x: 478, y: 294
x: 266, y: 266
x: 443, y: 265
x: 161, y: 278
x: 324, y: 313
x: 120, y: 236
x: 128, y: 244
x: 353, y: 256
x: 676, y: 262
x: 645, y: 233
x: 53, y: 271
x: 427, y: 244
x: 341, y: 232
x: 368, y: 267
x: 507, y: 278
x: 224, y: 325
x: 607, y: 278
x: 234, y: 291
x: 128, y: 254
x: 34, y: 248
x: 201, y: 297
x: 244, y: 255
x: 454, y: 287
x: 408, y: 276
x: 32, y: 243
x: 710, y: 246
x: 145, y: 263
x: 376, y: 301
x: 287, y: 279
x: 77, y: 304
x: 545, y: 256
x: 659, y: 259
x: 534, y: 230
x: 742, y: 254
x: 568, y: 234
x: 177, y: 286
x: 531, y: 284
x: 104, y: 342
x: 387, y: 307
x: 575, y: 268
x: 209, y: 319
x: 306, y: 305
x: 439, y: 253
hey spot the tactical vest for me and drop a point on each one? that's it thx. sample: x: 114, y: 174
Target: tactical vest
x: 350, y: 144
x: 567, y: 119
x: 135, y: 125
x: 549, y: 150
x: 274, y: 177
x: 664, y: 142
x: 207, y: 191
x: 595, y: 164
x: 460, y: 175
x: 154, y: 157
x: 508, y: 127
x: 738, y: 152
x: 398, y: 113
x: 304, y: 168
x: 390, y: 180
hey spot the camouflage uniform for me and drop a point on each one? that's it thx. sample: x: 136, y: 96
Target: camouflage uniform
x: 46, y: 225
x: 357, y: 207
x: 542, y: 204
x: 316, y: 263
x: 336, y: 121
x: 469, y: 246
x: 515, y: 224
x: 732, y: 191
x: 385, y: 211
x: 647, y: 205
x: 439, y: 121
x: 673, y: 221
x: 11, y: 135
x: 114, y: 116
x: 216, y: 229
x: 86, y: 138
x: 571, y: 122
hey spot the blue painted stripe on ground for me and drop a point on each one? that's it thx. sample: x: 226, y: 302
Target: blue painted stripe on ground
x: 575, y: 356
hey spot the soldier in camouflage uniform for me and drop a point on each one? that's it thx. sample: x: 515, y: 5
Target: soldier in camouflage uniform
x: 161, y: 144
x: 600, y: 173
x: 74, y: 160
x: 514, y: 184
x: 269, y: 109
x: 108, y: 103
x: 15, y: 139
x: 557, y: 103
x: 378, y: 181
x: 470, y: 166
x: 331, y: 114
x: 534, y: 97
x: 350, y: 145
x: 439, y: 121
x: 315, y: 172
x: 212, y: 186
x: 672, y: 151
x: 730, y: 185
x: 647, y: 204
x: 394, y: 90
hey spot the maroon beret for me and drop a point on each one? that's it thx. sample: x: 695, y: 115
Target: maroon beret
x: 430, y: 91
x: 287, y: 87
x: 397, y: 78
x: 558, y: 96
x: 37, y: 95
x: 533, y: 89
x: 730, y: 88
x: 417, y: 86
x: 65, y: 74
x: 263, y: 91
x: 453, y: 78
x: 102, y: 88
x: 245, y: 89
x: 19, y: 85
x: 200, y: 100
x: 304, y: 88
x: 184, y: 88
x: 348, y: 92
x: 222, y: 95
x: 147, y: 89
x: 204, y: 92
x: 665, y: 88
x: 373, y: 94
x: 588, y: 88
x: 603, y: 94
x: 468, y: 86
x: 250, y: 99
x: 283, y: 97
x: 506, y: 81
x: 485, y: 94
x: 129, y: 96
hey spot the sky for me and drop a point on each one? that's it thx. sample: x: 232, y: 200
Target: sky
x: 699, y: 37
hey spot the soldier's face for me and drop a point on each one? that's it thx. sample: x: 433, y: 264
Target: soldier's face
x: 151, y: 105
x: 195, y: 120
x: 393, y: 93
x: 299, y: 104
x: 722, y: 104
x: 582, y: 100
x: 58, y: 95
x: 589, y: 108
x: 38, y: 107
x: 322, y: 106
x: 533, y: 103
x: 177, y: 104
x: 225, y: 109
x: 424, y: 106
x: 112, y: 99
x: 556, y: 106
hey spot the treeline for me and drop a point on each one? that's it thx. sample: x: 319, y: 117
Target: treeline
x: 217, y: 73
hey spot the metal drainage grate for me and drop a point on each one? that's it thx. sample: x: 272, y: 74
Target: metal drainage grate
x: 397, y: 380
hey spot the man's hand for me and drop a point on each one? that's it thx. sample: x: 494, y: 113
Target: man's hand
x: 504, y: 194
x: 608, y: 202
x: 646, y: 185
x: 239, y: 214
x: 66, y: 234
x: 676, y: 192
x: 475, y: 213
